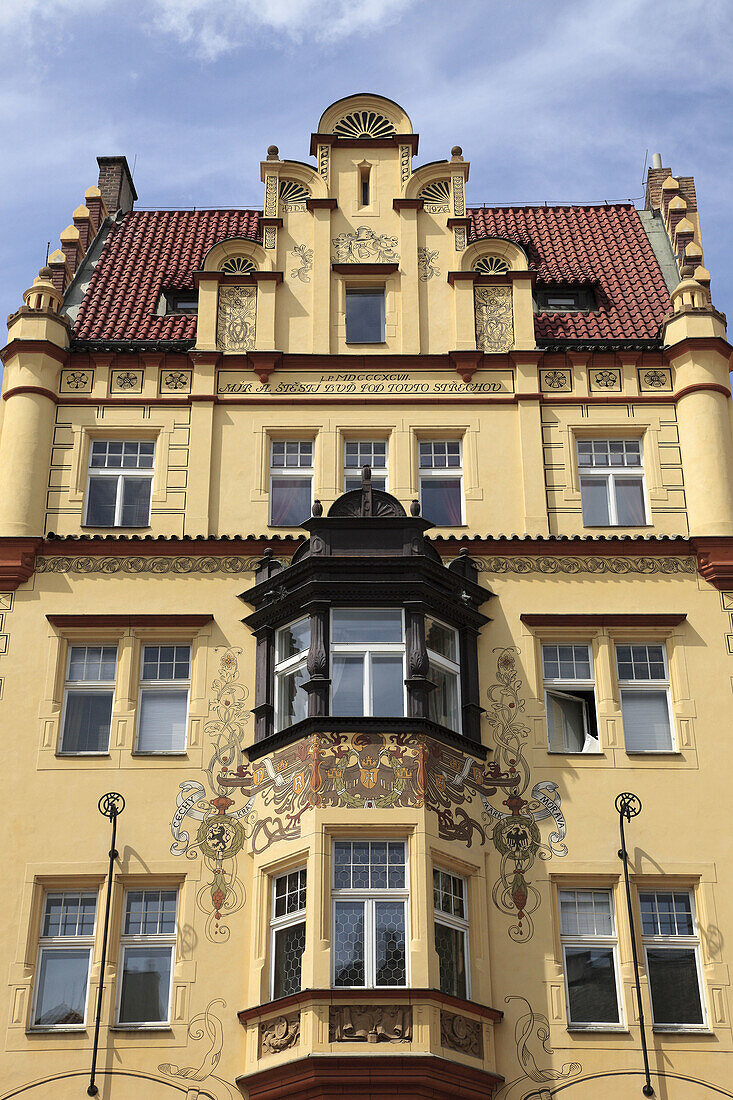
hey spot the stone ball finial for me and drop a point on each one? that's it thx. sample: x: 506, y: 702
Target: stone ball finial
x: 415, y: 508
x: 273, y: 153
x: 45, y: 273
x: 456, y: 151
x: 317, y: 508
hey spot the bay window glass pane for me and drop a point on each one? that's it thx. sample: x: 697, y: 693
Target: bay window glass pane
x: 135, y: 502
x: 348, y: 686
x: 591, y: 985
x: 630, y: 502
x: 388, y: 681
x: 361, y: 626
x: 594, y: 499
x: 441, y: 500
x: 101, y: 499
x: 87, y: 721
x: 162, y: 721
x: 646, y: 721
x: 443, y: 701
x: 292, y: 699
x: 365, y: 316
x: 389, y: 920
x: 289, y: 948
x: 674, y: 985
x: 145, y: 985
x: 290, y: 501
x: 292, y: 639
x: 348, y: 943
x: 441, y: 639
x: 62, y: 986
x: 450, y: 945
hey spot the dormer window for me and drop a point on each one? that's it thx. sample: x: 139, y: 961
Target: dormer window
x: 181, y: 301
x: 565, y: 300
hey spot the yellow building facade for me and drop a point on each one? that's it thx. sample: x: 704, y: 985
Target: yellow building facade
x: 356, y: 554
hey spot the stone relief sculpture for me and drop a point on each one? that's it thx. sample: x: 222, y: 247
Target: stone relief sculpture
x: 365, y: 246
x: 370, y: 1024
x: 460, y: 1033
x: 236, y: 318
x: 494, y: 318
x: 279, y: 1034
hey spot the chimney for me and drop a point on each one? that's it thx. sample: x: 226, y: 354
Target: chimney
x: 656, y: 175
x: 115, y: 183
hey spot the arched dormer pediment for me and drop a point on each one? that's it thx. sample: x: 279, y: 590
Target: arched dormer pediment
x: 296, y: 172
x: 232, y: 250
x: 364, y: 115
x: 350, y: 505
x: 512, y: 254
x: 431, y: 176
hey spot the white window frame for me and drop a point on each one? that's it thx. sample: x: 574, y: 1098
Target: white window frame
x: 153, y: 686
x: 120, y: 473
x: 49, y: 944
x: 150, y: 939
x: 564, y: 688
x: 592, y: 941
x: 307, y: 473
x: 286, y: 667
x: 459, y: 924
x: 369, y: 650
x: 640, y: 686
x: 675, y: 941
x: 354, y: 472
x: 88, y: 686
x: 608, y: 474
x: 444, y: 472
x: 370, y: 896
x: 446, y: 665
x: 287, y: 920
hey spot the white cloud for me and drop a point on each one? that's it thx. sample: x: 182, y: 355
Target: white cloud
x: 211, y: 28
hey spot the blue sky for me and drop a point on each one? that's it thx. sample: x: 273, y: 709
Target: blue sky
x: 551, y: 100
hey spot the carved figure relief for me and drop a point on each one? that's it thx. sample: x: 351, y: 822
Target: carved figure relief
x: 304, y: 256
x: 365, y: 246
x: 494, y: 318
x: 279, y: 1034
x: 236, y: 318
x: 370, y: 1024
x: 460, y: 1033
x: 426, y: 263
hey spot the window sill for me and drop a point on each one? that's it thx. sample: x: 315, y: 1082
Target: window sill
x: 616, y: 526
x: 682, y: 1029
x: 163, y: 752
x: 653, y: 752
x: 599, y: 1029
x: 83, y: 755
x: 114, y: 527
x: 569, y: 752
x: 70, y: 1029
x: 365, y: 343
x: 141, y: 1027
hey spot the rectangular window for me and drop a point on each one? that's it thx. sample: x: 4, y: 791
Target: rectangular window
x: 120, y: 483
x: 365, y: 452
x: 365, y: 315
x: 148, y: 941
x: 441, y: 482
x: 291, y: 481
x: 451, y: 932
x: 672, y: 949
x: 292, y: 643
x: 163, y: 710
x: 287, y: 932
x: 88, y: 697
x: 611, y: 482
x: 588, y: 936
x: 64, y: 957
x: 643, y: 681
x: 444, y: 703
x: 367, y: 663
x: 369, y: 936
x: 570, y: 698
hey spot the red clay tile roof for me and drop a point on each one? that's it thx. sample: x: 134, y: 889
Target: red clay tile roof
x: 600, y: 246
x: 147, y: 251
x: 604, y: 246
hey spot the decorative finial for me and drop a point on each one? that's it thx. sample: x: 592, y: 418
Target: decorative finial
x: 317, y: 508
x: 415, y: 508
x: 366, y: 473
x: 273, y: 153
x: 456, y: 153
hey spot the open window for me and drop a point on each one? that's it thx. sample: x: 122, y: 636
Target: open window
x: 572, y: 724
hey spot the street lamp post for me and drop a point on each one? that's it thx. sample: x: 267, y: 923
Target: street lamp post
x: 628, y: 806
x: 110, y: 806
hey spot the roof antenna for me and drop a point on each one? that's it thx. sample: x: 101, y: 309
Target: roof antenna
x: 48, y: 245
x: 643, y: 171
x: 134, y: 162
